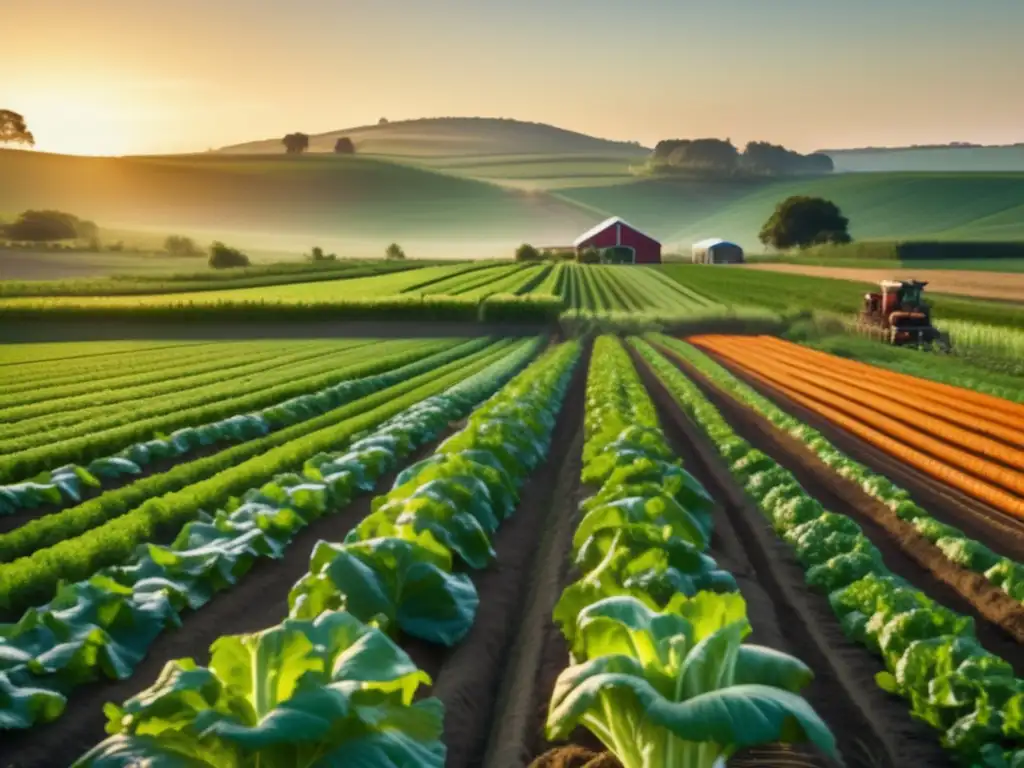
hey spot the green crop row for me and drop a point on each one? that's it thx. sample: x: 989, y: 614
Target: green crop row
x: 55, y: 404
x: 105, y: 530
x: 115, y: 366
x: 95, y: 420
x: 128, y: 606
x: 67, y: 483
x: 408, y: 307
x: 90, y: 440
x: 658, y: 670
x: 519, y: 282
x: 402, y: 581
x: 931, y: 654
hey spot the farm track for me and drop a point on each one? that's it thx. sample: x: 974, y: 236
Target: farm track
x: 999, y: 619
x: 259, y: 600
x: 995, y: 529
x: 477, y: 679
x: 872, y: 729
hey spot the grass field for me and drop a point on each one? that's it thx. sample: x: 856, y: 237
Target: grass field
x: 931, y: 159
x: 879, y: 206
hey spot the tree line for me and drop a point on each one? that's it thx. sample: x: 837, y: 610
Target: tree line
x: 721, y: 158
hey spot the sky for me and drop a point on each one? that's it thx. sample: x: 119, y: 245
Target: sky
x: 162, y: 76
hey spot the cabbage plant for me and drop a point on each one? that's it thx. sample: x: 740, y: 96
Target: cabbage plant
x: 679, y: 689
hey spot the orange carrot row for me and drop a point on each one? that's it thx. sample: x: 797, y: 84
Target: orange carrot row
x: 939, y: 425
x: 936, y: 458
x: 944, y: 408
x: 978, y: 404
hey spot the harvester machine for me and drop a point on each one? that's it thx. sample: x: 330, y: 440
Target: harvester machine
x: 898, y: 315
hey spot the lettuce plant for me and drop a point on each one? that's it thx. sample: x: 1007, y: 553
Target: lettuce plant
x: 679, y: 689
x: 304, y: 694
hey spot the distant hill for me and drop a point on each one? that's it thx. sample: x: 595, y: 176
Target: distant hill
x: 881, y: 206
x: 455, y: 136
x: 947, y: 158
x: 262, y: 197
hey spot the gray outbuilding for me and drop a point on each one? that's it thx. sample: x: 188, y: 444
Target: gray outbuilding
x: 716, y: 251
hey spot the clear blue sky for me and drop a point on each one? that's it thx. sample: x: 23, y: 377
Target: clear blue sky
x: 126, y: 76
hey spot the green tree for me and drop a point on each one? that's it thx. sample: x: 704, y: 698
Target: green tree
x: 49, y: 226
x: 588, y: 256
x: 295, y: 143
x: 394, y: 252
x: 344, y: 146
x: 801, y: 221
x: 319, y: 255
x: 179, y: 245
x: 527, y: 252
x: 224, y: 257
x: 14, y: 130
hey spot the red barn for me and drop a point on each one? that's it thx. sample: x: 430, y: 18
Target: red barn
x: 620, y: 243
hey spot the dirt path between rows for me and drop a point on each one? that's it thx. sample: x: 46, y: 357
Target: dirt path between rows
x: 872, y: 728
x: 471, y: 678
x: 258, y: 601
x: 1005, y: 286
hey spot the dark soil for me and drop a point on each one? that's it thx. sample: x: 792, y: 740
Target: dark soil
x: 258, y: 601
x: 871, y: 727
x: 999, y: 619
x: 470, y: 679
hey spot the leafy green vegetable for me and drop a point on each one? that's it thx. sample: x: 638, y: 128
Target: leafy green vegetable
x: 678, y: 689
x: 328, y: 692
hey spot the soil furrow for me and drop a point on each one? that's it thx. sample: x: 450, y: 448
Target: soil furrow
x: 871, y: 727
x: 471, y: 678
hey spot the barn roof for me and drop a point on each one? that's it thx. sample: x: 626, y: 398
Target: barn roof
x: 598, y: 228
x: 713, y: 241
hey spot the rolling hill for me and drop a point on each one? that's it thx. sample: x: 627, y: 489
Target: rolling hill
x: 343, y: 199
x: 456, y: 137
x: 962, y: 159
x: 880, y: 206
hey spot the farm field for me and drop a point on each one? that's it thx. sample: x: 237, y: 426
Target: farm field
x: 985, y: 284
x: 452, y: 516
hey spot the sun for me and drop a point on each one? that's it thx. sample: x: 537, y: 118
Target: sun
x: 89, y: 123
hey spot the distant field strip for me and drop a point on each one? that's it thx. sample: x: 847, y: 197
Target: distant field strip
x: 519, y: 282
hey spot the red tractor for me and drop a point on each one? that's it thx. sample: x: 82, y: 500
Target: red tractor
x: 898, y: 315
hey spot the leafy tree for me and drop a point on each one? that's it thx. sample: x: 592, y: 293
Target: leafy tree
x: 319, y: 255
x: 394, y: 252
x: 527, y: 252
x: 763, y: 158
x: 344, y: 146
x: 589, y: 256
x: 382, y: 121
x: 295, y: 143
x: 49, y: 226
x: 223, y: 257
x: 14, y: 130
x: 179, y: 245
x: 800, y: 222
